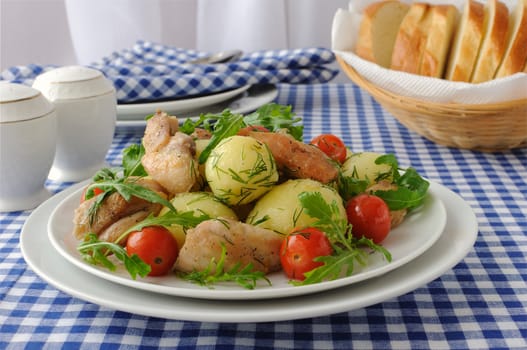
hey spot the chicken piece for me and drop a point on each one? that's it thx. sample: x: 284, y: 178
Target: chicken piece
x: 114, y: 208
x: 244, y: 244
x: 297, y: 159
x: 396, y: 216
x: 115, y: 230
x: 169, y: 154
x: 201, y: 134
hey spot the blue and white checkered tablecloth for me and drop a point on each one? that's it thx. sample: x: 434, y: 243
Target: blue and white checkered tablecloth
x: 481, y: 303
x: 152, y: 72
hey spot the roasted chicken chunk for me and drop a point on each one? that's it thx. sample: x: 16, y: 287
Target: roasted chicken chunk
x: 169, y: 154
x: 244, y: 244
x: 113, y: 209
x: 297, y: 159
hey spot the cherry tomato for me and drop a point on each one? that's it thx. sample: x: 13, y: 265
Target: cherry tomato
x: 300, y: 248
x: 332, y: 146
x: 369, y: 216
x: 96, y: 191
x: 156, y: 246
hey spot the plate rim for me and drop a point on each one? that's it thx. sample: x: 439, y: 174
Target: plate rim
x: 178, y: 105
x: 240, y: 104
x: 454, y: 244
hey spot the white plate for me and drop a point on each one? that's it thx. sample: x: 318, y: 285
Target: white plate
x: 248, y: 101
x: 138, y: 111
x: 418, y: 232
x: 455, y: 242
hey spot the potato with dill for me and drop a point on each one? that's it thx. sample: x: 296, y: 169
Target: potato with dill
x: 199, y: 203
x: 363, y: 167
x: 280, y: 210
x: 240, y: 169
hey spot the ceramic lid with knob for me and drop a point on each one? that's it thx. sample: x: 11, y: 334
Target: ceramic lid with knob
x: 72, y: 82
x: 21, y: 102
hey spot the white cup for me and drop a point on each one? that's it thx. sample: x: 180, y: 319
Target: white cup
x: 86, y: 108
x: 27, y: 146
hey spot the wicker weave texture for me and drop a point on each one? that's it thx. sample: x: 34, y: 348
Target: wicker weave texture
x: 483, y: 127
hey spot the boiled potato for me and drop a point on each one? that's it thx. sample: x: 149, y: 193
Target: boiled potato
x: 199, y: 203
x: 280, y: 209
x: 240, y: 169
x: 362, y: 166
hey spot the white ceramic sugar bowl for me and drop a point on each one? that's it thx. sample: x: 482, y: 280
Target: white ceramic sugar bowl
x: 27, y: 146
x: 86, y: 108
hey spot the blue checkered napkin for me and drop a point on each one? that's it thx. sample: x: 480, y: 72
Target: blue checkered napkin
x: 150, y: 72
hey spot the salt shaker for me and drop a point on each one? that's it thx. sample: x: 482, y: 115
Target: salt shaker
x: 86, y: 108
x: 27, y: 146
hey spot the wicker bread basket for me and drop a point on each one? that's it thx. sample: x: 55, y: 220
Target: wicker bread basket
x: 482, y: 127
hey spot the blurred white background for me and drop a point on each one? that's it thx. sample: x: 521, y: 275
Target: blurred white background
x: 82, y: 31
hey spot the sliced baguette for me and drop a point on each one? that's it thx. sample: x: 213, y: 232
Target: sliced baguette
x: 494, y: 41
x: 411, y: 38
x: 378, y: 28
x: 443, y: 21
x: 467, y: 41
x: 515, y: 56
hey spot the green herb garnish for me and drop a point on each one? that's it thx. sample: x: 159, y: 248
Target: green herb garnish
x: 276, y: 117
x: 349, y: 186
x: 272, y: 116
x: 225, y: 127
x: 186, y: 219
x: 125, y: 187
x: 123, y: 181
x: 347, y: 250
x: 215, y: 273
x: 411, y: 187
x: 132, y: 161
x: 96, y: 252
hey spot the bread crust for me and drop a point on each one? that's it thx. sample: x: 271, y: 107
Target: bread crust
x: 411, y: 39
x: 494, y: 42
x: 443, y: 21
x: 467, y: 41
x: 364, y: 47
x: 515, y: 57
x: 367, y: 45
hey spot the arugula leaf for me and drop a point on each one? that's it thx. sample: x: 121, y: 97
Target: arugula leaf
x: 327, y: 215
x: 272, y: 116
x: 186, y: 219
x: 204, y: 120
x: 129, y: 189
x: 333, y: 267
x: 390, y: 160
x: 106, y: 174
x: 215, y: 272
x: 96, y: 252
x: 132, y: 161
x: 401, y: 198
x: 347, y: 249
x: 349, y: 186
x: 109, y: 182
x: 275, y: 117
x: 226, y: 126
x: 411, y: 187
x: 343, y: 263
